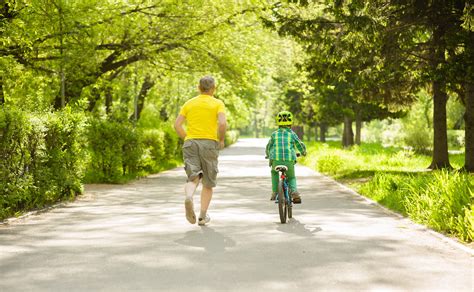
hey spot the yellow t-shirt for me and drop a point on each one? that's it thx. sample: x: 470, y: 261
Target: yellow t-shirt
x: 201, y: 115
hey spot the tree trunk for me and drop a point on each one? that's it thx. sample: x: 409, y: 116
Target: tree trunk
x: 440, y: 137
x: 108, y: 100
x: 323, y: 129
x: 147, y: 84
x: 74, y: 87
x: 95, y: 96
x: 315, y: 127
x: 469, y: 103
x: 348, y: 133
x: 358, y: 129
x: 469, y: 128
x: 2, y: 96
x: 440, y: 98
x: 256, y: 124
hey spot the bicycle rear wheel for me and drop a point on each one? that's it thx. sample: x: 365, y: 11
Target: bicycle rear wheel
x: 282, y: 206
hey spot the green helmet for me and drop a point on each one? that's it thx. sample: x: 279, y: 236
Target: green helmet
x: 284, y: 118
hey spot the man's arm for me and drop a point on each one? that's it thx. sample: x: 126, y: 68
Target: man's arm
x: 222, y: 128
x: 178, y: 126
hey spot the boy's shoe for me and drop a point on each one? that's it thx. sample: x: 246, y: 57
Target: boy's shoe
x: 296, y: 197
x: 190, y: 215
x: 273, y: 197
x: 203, y: 221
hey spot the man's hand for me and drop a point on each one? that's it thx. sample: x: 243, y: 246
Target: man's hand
x: 222, y: 122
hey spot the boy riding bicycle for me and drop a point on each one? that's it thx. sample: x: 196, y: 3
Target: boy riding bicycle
x: 281, y: 150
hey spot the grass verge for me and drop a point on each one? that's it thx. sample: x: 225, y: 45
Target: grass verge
x: 398, y: 179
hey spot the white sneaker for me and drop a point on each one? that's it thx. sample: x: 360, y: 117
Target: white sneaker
x: 190, y: 215
x: 203, y: 221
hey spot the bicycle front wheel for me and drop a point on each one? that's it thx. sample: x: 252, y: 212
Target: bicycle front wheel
x: 282, y: 206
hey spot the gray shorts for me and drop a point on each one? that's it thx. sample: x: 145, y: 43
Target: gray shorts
x: 200, y: 159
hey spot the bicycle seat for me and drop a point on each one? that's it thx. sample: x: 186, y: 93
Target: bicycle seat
x: 281, y: 168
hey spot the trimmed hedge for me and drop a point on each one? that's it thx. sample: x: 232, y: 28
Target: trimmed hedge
x: 162, y: 149
x: 114, y: 149
x: 118, y: 151
x: 231, y: 137
x: 40, y: 159
x: 43, y: 161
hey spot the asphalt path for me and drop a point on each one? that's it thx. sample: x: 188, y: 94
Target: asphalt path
x: 135, y: 237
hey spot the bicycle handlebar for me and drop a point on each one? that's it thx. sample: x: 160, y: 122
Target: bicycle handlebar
x: 297, y: 155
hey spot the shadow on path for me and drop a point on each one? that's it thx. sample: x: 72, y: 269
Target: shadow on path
x: 295, y: 227
x: 208, y: 239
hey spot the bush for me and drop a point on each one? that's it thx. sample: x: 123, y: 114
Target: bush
x: 162, y: 149
x: 419, y: 138
x: 62, y: 156
x: 456, y: 138
x: 154, y: 144
x: 231, y: 137
x: 41, y: 161
x: 172, y: 145
x: 120, y: 152
x: 115, y: 151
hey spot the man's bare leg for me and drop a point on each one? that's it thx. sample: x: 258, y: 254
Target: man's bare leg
x: 206, y: 196
x: 189, y: 189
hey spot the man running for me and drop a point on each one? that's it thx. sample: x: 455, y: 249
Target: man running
x: 206, y: 126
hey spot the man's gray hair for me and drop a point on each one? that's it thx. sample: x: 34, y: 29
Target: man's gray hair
x: 207, y: 83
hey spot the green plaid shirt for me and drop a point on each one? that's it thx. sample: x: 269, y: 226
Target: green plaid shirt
x: 283, y: 144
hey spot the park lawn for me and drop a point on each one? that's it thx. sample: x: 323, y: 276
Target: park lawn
x: 399, y: 179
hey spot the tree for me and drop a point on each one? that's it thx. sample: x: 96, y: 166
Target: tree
x: 420, y: 34
x: 340, y: 44
x: 95, y: 55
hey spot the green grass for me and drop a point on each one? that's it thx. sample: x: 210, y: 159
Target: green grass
x: 399, y: 179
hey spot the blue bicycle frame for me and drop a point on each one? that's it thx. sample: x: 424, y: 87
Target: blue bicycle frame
x: 285, y: 189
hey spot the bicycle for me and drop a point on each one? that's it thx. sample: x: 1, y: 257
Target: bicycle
x: 285, y: 203
x: 283, y: 198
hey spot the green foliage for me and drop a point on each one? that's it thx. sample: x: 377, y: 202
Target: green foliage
x: 418, y: 138
x: 456, y: 139
x: 62, y: 151
x: 442, y: 200
x: 41, y: 161
x: 385, y: 188
x: 107, y: 50
x: 119, y: 151
x: 172, y: 145
x: 161, y: 149
x: 154, y: 143
x: 115, y: 150
x: 361, y: 161
x: 415, y: 130
x: 231, y: 137
x: 397, y: 178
